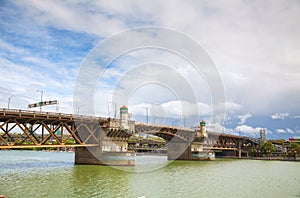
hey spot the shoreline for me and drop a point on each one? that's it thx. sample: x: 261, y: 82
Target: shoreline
x: 262, y: 158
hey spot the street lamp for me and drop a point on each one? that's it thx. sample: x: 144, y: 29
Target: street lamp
x: 115, y: 113
x: 79, y: 107
x: 9, y: 98
x: 146, y: 108
x: 41, y: 99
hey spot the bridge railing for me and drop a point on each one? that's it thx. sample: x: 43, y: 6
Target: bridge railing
x: 164, y: 126
x: 4, y: 110
x: 44, y: 129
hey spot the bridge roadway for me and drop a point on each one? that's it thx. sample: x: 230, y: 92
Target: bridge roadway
x: 23, y: 129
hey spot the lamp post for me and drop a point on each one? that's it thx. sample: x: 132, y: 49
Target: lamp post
x: 78, y: 108
x: 9, y: 98
x: 146, y: 108
x: 115, y: 113
x: 41, y: 99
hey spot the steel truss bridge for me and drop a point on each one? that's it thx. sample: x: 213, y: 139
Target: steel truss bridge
x: 24, y: 129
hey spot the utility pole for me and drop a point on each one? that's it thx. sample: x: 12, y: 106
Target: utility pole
x: 41, y: 99
x: 146, y: 108
x: 9, y: 98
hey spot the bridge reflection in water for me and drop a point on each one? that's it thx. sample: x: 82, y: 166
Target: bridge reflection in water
x: 100, y: 140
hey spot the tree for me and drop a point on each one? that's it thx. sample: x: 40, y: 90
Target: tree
x: 267, y: 147
x: 294, y: 145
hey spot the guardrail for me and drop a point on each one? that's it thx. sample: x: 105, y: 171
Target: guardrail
x: 4, y: 110
x: 164, y: 126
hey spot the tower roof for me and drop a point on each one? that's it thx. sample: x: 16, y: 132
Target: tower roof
x: 202, y: 123
x: 123, y: 107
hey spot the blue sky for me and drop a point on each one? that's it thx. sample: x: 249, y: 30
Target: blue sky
x: 255, y: 46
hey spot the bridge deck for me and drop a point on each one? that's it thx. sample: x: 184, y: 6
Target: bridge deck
x: 89, y: 128
x: 5, y: 114
x: 23, y: 129
x: 48, y: 146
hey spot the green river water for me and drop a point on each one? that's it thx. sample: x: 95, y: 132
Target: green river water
x: 53, y: 174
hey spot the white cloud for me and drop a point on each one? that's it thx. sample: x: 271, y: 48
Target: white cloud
x: 188, y: 109
x: 258, y: 66
x: 172, y: 109
x: 213, y: 127
x: 281, y: 116
x: 55, y: 86
x: 248, y: 129
x: 287, y: 130
x: 232, y: 106
x: 281, y: 131
x: 251, y: 131
x: 65, y: 15
x: 243, y: 130
x: 290, y: 130
x: 243, y: 118
x: 218, y: 128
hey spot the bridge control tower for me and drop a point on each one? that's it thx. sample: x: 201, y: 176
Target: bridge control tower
x: 124, y: 117
x: 203, y: 129
x: 197, y: 144
x: 125, y: 122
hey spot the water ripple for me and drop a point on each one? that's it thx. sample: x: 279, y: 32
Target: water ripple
x: 32, y: 174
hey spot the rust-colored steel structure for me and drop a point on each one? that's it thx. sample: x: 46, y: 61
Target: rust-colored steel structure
x: 23, y: 129
x: 166, y: 132
x: 221, y: 141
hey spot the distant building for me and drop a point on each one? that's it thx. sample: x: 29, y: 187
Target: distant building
x: 295, y: 139
x: 262, y: 133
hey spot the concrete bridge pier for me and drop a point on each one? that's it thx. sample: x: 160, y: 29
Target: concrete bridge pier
x: 88, y: 155
x: 114, y: 154
x: 239, y: 153
x: 179, y: 151
x: 187, y: 151
x: 192, y: 148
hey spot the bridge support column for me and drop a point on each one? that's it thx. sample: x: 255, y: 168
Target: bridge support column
x: 196, y: 147
x: 179, y: 151
x: 239, y: 153
x: 186, y: 151
x: 114, y: 146
x: 240, y: 150
x: 109, y: 153
x: 90, y: 155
